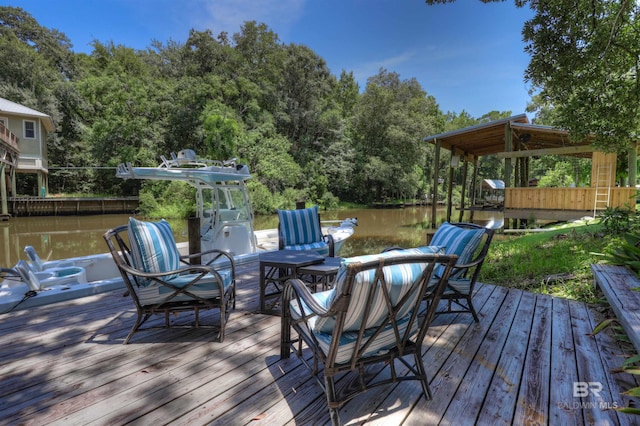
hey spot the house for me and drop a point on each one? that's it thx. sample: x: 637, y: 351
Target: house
x: 23, y: 146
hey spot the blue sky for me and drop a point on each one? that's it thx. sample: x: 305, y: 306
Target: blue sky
x: 468, y: 55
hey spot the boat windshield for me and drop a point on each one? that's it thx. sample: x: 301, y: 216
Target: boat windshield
x: 222, y: 199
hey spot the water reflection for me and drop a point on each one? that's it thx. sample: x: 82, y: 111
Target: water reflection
x: 59, y: 237
x: 381, y: 228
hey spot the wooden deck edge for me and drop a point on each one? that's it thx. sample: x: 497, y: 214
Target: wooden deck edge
x: 618, y: 284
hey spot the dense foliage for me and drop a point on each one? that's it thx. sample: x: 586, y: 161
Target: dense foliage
x: 304, y: 132
x: 584, y: 68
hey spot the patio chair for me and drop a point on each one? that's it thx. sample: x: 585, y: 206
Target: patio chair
x: 161, y: 281
x: 300, y: 230
x: 373, y: 314
x: 464, y: 240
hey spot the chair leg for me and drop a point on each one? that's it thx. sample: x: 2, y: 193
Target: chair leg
x: 285, y: 337
x: 472, y: 309
x: 330, y: 389
x: 223, y: 321
x: 197, y: 317
x: 139, y: 321
x: 422, y: 372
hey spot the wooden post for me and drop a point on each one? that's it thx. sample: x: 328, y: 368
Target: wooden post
x: 464, y: 186
x: 450, y: 186
x: 3, y: 190
x: 508, y: 166
x: 474, y: 186
x: 633, y: 164
x: 434, y: 193
x: 193, y: 226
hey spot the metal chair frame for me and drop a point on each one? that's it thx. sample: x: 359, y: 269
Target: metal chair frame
x: 407, y: 343
x: 133, y: 277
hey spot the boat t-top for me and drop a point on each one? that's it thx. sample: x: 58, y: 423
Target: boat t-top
x: 222, y: 203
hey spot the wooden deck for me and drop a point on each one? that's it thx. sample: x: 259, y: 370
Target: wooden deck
x: 65, y: 364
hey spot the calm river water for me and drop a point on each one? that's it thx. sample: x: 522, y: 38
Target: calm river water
x: 59, y: 237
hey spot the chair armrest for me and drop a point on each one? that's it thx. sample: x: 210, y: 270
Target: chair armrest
x: 329, y: 240
x: 470, y: 264
x: 475, y: 265
x: 218, y: 254
x: 297, y: 289
x: 203, y: 269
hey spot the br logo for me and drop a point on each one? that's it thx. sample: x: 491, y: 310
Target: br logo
x: 582, y: 389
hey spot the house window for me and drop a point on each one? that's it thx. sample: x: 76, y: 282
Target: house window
x: 29, y: 129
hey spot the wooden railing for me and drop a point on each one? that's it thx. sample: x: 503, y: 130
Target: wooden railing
x: 565, y: 198
x: 8, y: 137
x: 59, y: 206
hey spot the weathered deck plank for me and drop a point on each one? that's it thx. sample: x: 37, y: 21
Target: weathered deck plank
x: 532, y: 407
x: 65, y: 364
x: 500, y: 401
x: 618, y: 283
x: 596, y: 408
x: 482, y: 369
x: 563, y: 366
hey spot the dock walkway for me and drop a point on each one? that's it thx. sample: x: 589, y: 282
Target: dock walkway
x: 529, y: 360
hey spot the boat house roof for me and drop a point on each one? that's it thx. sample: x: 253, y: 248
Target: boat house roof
x: 489, y: 138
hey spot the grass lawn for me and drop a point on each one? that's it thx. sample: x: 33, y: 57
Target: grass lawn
x: 554, y: 262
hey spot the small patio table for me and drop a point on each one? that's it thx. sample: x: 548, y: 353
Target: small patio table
x: 276, y: 267
x: 321, y: 273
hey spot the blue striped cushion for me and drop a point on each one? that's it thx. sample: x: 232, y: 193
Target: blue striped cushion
x: 153, y: 247
x: 320, y: 247
x: 382, y: 343
x: 456, y: 240
x: 300, y: 226
x: 207, y: 287
x: 400, y: 277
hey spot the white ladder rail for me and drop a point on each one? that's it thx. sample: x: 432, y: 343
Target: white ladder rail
x: 603, y: 188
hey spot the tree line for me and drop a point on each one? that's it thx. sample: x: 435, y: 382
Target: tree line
x: 304, y: 132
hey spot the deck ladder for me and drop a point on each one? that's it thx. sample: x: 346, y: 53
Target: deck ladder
x: 603, y: 188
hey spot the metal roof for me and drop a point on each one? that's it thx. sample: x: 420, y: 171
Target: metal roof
x: 493, y: 184
x: 489, y: 138
x: 13, y: 108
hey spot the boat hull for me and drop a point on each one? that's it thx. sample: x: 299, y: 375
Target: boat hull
x: 102, y: 275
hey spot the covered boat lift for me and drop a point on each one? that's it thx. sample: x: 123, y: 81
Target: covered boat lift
x: 516, y: 140
x: 492, y: 194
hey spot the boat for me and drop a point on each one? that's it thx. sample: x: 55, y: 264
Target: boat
x: 223, y: 205
x: 23, y: 287
x: 224, y: 213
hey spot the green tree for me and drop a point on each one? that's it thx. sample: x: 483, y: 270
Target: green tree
x: 346, y: 93
x: 260, y: 59
x: 128, y: 118
x: 585, y: 62
x: 37, y: 69
x: 391, y: 119
x: 559, y: 176
x: 306, y: 86
x: 221, y: 132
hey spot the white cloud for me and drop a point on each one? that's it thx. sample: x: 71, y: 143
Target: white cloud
x: 230, y: 15
x: 365, y: 70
